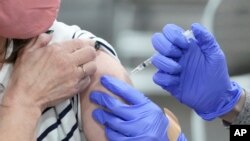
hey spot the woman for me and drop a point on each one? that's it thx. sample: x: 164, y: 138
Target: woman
x: 35, y: 75
x: 66, y: 120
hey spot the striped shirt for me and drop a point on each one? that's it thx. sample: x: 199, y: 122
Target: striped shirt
x: 62, y: 122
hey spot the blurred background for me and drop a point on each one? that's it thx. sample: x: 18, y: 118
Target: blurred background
x: 129, y: 24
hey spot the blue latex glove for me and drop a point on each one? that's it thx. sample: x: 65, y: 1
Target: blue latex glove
x: 194, y: 71
x: 139, y: 120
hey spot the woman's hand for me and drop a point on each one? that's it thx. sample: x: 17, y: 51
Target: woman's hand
x: 45, y: 75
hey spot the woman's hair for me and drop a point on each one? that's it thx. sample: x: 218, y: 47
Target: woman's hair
x: 18, y: 44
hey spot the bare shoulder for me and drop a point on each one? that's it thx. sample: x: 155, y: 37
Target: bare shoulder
x: 106, y: 65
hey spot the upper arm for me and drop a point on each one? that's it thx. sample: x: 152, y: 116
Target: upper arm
x: 106, y: 64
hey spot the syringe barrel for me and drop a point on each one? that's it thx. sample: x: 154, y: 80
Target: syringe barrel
x: 189, y: 35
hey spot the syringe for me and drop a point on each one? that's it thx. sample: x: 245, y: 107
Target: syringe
x: 188, y: 34
x: 141, y: 66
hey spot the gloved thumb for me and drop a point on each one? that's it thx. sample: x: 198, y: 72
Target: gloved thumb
x: 205, y: 39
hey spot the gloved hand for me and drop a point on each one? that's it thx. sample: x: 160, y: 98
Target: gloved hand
x: 138, y: 120
x: 194, y: 71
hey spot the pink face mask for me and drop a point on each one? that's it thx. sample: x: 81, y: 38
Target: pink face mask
x: 24, y: 19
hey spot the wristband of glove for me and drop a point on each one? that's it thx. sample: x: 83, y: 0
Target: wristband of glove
x: 229, y: 103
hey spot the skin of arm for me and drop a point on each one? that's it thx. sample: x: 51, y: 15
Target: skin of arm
x: 18, y: 122
x: 106, y: 64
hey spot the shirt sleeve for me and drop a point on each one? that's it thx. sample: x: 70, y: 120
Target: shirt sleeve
x: 244, y: 115
x: 103, y: 44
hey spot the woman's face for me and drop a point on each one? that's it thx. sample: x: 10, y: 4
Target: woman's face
x: 25, y: 19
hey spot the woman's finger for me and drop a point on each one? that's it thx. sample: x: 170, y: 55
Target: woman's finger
x: 73, y: 45
x: 83, y: 55
x: 83, y: 84
x: 87, y: 69
x: 41, y: 41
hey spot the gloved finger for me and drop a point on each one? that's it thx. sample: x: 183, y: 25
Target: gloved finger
x: 112, y: 104
x: 115, y: 123
x: 205, y: 39
x: 182, y: 137
x: 175, y: 35
x: 123, y: 90
x: 112, y: 135
x: 166, y: 64
x: 163, y: 46
x: 165, y: 80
